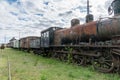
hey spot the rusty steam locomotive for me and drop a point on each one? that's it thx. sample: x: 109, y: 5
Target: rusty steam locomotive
x: 95, y: 42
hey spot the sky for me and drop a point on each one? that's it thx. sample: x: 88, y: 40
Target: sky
x: 21, y: 18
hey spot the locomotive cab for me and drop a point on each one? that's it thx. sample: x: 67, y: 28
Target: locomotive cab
x: 47, y: 36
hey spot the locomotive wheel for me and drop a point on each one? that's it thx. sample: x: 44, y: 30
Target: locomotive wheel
x: 79, y: 60
x: 104, y: 63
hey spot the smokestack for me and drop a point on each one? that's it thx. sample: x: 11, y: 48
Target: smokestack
x: 89, y: 17
x: 75, y: 22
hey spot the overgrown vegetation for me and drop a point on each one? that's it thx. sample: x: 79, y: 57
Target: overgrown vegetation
x: 69, y: 56
x: 27, y: 66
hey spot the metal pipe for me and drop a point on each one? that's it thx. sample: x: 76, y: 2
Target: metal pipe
x: 88, y: 10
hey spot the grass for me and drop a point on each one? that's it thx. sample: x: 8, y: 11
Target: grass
x: 27, y: 66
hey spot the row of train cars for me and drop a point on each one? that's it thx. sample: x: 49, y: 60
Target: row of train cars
x: 26, y: 43
x: 94, y: 42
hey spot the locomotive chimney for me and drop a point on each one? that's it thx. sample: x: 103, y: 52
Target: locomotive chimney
x: 75, y: 22
x: 89, y: 18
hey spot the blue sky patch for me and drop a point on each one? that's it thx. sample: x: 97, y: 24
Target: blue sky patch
x: 11, y: 1
x: 23, y: 19
x: 39, y: 14
x: 13, y: 13
x: 18, y: 3
x: 46, y: 3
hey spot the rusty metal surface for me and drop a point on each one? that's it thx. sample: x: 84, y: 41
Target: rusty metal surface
x: 58, y: 35
x: 102, y: 30
x: 108, y: 28
x: 77, y: 33
x: 25, y: 42
x: 90, y: 29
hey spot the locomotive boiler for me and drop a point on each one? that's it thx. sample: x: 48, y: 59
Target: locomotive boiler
x: 101, y: 30
x: 76, y: 34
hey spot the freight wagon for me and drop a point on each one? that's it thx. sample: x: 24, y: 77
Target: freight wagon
x: 25, y: 42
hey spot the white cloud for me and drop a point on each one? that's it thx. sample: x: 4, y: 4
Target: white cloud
x: 29, y: 17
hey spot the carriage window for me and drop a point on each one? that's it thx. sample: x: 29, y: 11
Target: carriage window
x: 42, y: 35
x: 47, y: 34
x: 53, y: 29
